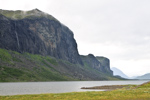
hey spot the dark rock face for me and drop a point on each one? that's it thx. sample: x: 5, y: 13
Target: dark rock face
x: 99, y: 63
x: 39, y: 35
x: 92, y: 61
x: 105, y: 64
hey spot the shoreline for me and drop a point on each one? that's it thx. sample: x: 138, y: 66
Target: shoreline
x: 26, y: 88
x: 113, y: 87
x: 109, y: 87
x: 137, y: 92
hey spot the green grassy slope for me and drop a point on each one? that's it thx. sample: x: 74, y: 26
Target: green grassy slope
x: 27, y: 67
x: 16, y: 66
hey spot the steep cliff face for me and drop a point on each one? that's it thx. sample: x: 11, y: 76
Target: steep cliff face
x: 38, y: 33
x: 99, y: 63
x: 92, y: 61
x: 105, y: 64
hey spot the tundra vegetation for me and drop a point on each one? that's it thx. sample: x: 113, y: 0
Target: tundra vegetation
x: 25, y: 67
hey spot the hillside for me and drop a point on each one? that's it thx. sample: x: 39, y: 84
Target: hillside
x: 35, y: 46
x: 117, y: 71
x: 145, y: 76
x: 16, y: 66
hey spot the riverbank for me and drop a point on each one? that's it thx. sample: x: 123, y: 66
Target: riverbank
x: 141, y: 92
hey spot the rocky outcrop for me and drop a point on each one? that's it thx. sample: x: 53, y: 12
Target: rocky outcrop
x: 38, y: 33
x: 99, y: 63
x: 92, y: 61
x: 105, y: 64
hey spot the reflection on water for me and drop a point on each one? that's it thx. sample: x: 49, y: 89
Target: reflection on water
x: 55, y: 87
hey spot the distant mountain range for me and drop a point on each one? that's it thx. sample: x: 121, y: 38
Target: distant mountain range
x: 145, y: 76
x: 117, y: 71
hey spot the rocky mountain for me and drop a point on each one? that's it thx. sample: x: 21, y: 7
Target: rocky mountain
x: 99, y: 63
x: 38, y: 33
x: 117, y: 71
x: 105, y: 64
x: 145, y: 76
x: 33, y: 39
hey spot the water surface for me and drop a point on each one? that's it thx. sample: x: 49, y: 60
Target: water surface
x: 15, y: 88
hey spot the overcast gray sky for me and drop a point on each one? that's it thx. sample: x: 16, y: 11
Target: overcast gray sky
x: 117, y: 29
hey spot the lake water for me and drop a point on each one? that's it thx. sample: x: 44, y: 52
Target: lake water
x: 15, y: 88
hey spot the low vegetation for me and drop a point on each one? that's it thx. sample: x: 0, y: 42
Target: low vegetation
x: 141, y: 92
x: 15, y: 66
x: 25, y: 67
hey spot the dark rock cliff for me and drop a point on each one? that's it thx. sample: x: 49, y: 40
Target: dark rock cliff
x: 92, y: 61
x: 105, y: 64
x: 38, y: 33
x: 101, y: 64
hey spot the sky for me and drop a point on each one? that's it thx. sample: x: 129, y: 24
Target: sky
x: 116, y: 29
